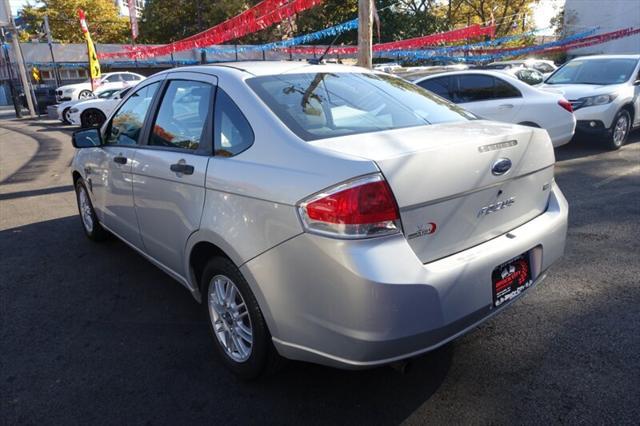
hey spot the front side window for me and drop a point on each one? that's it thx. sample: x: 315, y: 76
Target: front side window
x: 233, y: 134
x: 125, y: 127
x: 440, y: 86
x: 326, y: 105
x: 594, y: 71
x: 130, y: 77
x: 183, y: 112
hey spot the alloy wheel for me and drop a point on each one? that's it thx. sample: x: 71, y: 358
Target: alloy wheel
x: 230, y: 318
x: 620, y: 130
x: 86, y: 211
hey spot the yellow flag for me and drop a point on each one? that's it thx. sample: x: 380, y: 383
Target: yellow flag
x: 94, y: 65
x: 35, y: 73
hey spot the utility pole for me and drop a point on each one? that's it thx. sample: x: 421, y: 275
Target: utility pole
x: 365, y: 31
x: 47, y: 31
x: 26, y: 87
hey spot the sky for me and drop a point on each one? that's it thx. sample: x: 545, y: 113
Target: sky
x: 543, y: 12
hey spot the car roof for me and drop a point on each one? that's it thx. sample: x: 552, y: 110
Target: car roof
x: 493, y: 73
x: 260, y: 68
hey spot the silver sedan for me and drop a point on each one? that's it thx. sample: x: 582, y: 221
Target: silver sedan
x: 321, y: 212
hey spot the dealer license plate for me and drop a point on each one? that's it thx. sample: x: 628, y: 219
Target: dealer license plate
x: 510, y: 279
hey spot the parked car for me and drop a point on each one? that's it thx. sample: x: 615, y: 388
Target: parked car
x: 93, y: 112
x: 416, y: 73
x: 387, y: 67
x: 109, y: 80
x: 527, y: 75
x: 604, y: 91
x: 322, y: 213
x: 544, y: 66
x: 495, y: 95
x: 64, y: 108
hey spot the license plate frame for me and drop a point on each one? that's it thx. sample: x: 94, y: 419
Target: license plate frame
x: 510, y: 279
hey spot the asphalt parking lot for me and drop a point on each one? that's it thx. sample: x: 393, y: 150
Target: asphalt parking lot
x: 94, y: 334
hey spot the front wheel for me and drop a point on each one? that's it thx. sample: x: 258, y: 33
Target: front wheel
x: 90, y: 223
x: 66, y: 116
x: 238, y: 328
x: 619, y: 130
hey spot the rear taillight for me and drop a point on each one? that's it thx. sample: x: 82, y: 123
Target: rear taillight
x: 565, y: 104
x: 360, y: 208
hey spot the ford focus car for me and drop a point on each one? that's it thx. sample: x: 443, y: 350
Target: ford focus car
x: 322, y: 213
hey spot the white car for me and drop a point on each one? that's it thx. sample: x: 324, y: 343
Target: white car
x: 528, y: 75
x: 544, y: 66
x: 604, y: 91
x: 109, y: 80
x: 64, y: 108
x: 497, y: 96
x: 93, y: 112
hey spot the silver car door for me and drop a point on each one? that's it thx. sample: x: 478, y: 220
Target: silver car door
x: 169, y: 171
x: 111, y: 180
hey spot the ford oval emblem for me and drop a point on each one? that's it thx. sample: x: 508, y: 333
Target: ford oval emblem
x: 501, y: 167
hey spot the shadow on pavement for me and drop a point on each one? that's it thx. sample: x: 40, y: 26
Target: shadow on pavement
x: 96, y: 332
x: 586, y: 147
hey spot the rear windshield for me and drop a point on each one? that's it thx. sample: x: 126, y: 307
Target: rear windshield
x: 325, y: 105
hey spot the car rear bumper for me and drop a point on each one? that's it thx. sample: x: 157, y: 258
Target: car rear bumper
x: 358, y: 304
x: 562, y: 132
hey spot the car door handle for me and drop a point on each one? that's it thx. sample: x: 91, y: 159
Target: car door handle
x: 183, y: 168
x: 506, y: 106
x: 120, y: 160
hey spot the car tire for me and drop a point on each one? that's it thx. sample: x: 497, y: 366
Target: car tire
x: 88, y: 218
x: 92, y: 118
x: 85, y: 94
x: 65, y: 116
x: 232, y: 310
x: 619, y: 130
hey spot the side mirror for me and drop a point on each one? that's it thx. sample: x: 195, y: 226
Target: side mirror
x: 637, y: 82
x: 86, y: 138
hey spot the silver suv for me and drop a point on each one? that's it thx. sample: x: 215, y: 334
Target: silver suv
x: 320, y: 212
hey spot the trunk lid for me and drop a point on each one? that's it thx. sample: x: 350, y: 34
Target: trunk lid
x: 441, y: 176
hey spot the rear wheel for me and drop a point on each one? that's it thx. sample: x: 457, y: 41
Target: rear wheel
x: 92, y: 118
x: 90, y: 223
x: 238, y: 328
x: 619, y: 130
x: 85, y: 94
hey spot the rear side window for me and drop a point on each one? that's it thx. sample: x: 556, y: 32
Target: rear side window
x: 503, y: 89
x: 182, y: 116
x: 124, y: 128
x: 440, y: 86
x: 474, y: 88
x: 477, y: 87
x: 232, y: 131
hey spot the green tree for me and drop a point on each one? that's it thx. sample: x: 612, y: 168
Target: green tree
x: 105, y: 24
x: 164, y: 21
x: 510, y: 16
